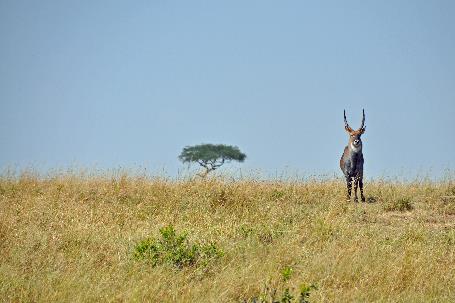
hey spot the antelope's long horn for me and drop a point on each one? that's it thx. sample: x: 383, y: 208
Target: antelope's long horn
x: 346, y: 125
x: 363, y: 120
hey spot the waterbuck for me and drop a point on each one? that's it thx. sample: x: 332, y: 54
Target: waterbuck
x: 351, y: 162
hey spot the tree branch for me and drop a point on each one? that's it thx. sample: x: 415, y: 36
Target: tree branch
x: 202, y: 163
x: 216, y: 165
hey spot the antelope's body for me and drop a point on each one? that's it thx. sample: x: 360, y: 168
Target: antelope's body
x: 351, y: 162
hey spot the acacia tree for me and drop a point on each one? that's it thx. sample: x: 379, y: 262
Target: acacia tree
x: 211, y: 156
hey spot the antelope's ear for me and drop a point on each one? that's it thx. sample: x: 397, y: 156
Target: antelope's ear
x: 362, y: 130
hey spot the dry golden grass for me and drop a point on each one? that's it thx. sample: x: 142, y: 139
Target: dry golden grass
x: 72, y: 238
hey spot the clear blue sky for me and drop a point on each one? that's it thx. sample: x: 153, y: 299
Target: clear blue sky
x: 130, y: 83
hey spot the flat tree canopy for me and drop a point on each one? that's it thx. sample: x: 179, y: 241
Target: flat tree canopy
x: 211, y: 156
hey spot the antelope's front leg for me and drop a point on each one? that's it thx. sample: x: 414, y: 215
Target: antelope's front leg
x: 356, y: 183
x: 349, y: 185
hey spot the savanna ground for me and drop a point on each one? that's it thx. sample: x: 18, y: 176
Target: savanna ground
x: 79, y: 238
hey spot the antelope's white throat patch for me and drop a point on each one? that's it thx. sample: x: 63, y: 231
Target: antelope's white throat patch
x: 356, y: 149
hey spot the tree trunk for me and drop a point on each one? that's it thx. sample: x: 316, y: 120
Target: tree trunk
x: 205, y: 173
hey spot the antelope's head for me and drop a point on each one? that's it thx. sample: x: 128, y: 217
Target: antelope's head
x: 355, y: 142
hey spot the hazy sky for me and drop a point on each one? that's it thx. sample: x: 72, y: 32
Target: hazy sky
x: 111, y: 84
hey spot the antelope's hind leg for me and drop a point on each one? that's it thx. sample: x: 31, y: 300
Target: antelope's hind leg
x: 361, y: 190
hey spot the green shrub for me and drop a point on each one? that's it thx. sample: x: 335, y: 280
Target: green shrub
x: 286, y: 273
x: 305, y: 291
x: 400, y: 204
x: 175, y: 249
x: 287, y: 297
x: 271, y: 294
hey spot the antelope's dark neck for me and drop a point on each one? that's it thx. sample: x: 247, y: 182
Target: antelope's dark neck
x: 354, y: 150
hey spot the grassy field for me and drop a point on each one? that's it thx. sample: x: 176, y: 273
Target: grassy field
x: 124, y: 238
